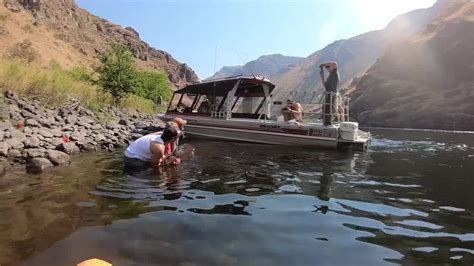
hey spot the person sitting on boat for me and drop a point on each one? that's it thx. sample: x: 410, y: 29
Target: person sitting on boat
x: 297, y: 111
x: 330, y: 85
x: 149, y: 150
x: 293, y: 110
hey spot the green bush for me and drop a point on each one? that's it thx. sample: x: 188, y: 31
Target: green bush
x: 117, y: 73
x: 153, y: 86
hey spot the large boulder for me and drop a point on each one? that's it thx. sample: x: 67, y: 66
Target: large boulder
x: 37, y: 165
x: 58, y: 157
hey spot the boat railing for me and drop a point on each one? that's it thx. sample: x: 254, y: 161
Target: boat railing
x: 335, y: 108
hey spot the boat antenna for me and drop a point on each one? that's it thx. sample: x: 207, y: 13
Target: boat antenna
x: 215, y: 59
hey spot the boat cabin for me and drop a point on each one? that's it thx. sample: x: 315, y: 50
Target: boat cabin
x: 239, y: 97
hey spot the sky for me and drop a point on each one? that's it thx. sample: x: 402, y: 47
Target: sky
x: 210, y: 34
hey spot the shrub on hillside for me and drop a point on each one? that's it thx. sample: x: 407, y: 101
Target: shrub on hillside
x: 117, y: 73
x: 23, y: 50
x: 153, y: 86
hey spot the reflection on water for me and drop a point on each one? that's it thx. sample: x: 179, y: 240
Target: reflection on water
x: 407, y: 200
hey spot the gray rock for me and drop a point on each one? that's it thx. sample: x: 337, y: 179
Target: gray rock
x: 15, y: 144
x: 45, y: 133
x: 33, y: 153
x: 83, y: 123
x: 56, y: 132
x: 45, y: 122
x: 77, y: 136
x: 96, y: 127
x: 1, y: 135
x: 30, y: 108
x: 125, y: 122
x: 58, y: 157
x: 32, y: 142
x: 140, y: 125
x: 71, y: 119
x: 111, y: 125
x: 4, y: 112
x: 99, y: 137
x: 69, y: 148
x: 4, y: 165
x: 13, y: 108
x: 27, y: 130
x: 37, y: 165
x: 4, y: 148
x: 6, y: 125
x: 32, y: 123
x: 28, y: 115
x: 56, y: 141
x: 13, y: 154
x: 86, y: 146
x: 68, y: 128
x: 58, y: 119
x: 17, y: 134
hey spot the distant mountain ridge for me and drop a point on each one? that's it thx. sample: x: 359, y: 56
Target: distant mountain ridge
x: 269, y: 65
x: 354, y: 56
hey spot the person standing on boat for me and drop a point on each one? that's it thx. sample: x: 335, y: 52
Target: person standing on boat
x: 330, y: 84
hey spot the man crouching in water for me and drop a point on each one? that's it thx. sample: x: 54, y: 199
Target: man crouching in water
x: 149, y: 150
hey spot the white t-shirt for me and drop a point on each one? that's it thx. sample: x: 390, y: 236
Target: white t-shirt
x: 140, y: 148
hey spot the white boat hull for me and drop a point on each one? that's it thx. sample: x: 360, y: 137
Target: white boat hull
x: 268, y: 132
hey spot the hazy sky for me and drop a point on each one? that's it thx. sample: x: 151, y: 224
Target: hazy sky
x: 209, y: 34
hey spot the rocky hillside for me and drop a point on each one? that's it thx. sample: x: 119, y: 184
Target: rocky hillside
x: 354, y: 56
x: 59, y: 30
x: 425, y: 81
x: 268, y: 65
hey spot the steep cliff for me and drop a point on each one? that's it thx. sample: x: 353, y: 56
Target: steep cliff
x: 425, y: 81
x: 60, y: 30
x: 354, y: 56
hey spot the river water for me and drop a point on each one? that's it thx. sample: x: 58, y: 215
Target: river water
x: 407, y: 200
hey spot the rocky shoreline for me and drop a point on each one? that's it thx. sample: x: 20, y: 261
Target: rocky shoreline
x: 40, y: 137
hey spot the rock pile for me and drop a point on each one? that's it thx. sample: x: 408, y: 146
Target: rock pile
x: 41, y: 137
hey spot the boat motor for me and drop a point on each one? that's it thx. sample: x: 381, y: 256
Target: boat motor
x: 349, y: 131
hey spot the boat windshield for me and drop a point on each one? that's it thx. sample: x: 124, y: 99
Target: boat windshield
x: 243, y: 97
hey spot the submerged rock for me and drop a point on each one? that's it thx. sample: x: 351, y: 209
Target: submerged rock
x: 58, y: 157
x: 37, y: 165
x: 69, y: 148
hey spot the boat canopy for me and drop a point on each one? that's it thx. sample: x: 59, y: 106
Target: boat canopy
x: 248, y: 87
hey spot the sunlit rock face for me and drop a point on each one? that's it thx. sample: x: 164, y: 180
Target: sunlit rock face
x: 426, y: 80
x: 354, y: 56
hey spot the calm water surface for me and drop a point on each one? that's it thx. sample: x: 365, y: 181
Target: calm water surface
x: 408, y: 200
